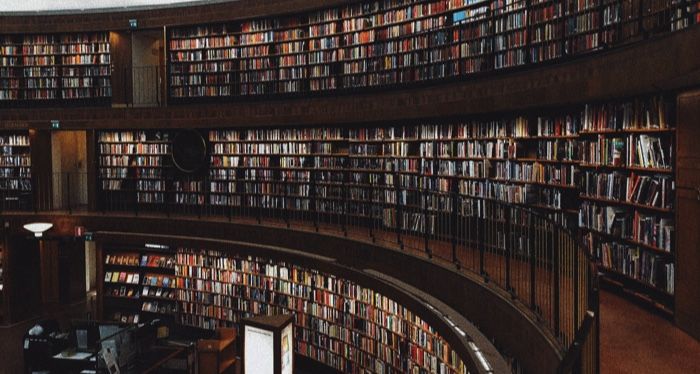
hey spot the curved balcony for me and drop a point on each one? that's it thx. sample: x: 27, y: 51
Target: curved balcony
x: 535, y: 284
x: 518, y: 36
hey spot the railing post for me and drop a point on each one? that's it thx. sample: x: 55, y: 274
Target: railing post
x: 426, y: 225
x: 345, y: 203
x: 398, y: 210
x: 454, y: 226
x: 576, y: 255
x: 70, y: 209
x: 481, y: 232
x: 533, y: 262
x: 507, y: 251
x: 557, y: 280
x: 371, y: 210
x: 285, y: 198
x: 314, y: 199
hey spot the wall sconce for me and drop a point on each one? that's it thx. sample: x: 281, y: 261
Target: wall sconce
x: 38, y: 228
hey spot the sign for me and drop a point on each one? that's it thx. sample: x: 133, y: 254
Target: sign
x: 88, y: 236
x: 133, y: 23
x: 259, y: 350
x: 79, y: 231
x: 55, y: 124
x: 287, y: 350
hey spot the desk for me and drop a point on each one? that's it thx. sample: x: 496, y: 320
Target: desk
x: 155, y: 358
x: 74, y: 362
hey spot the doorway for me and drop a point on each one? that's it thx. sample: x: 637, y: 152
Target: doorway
x: 69, y: 165
x: 147, y: 61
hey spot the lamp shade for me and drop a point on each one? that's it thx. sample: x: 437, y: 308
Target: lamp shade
x: 38, y: 228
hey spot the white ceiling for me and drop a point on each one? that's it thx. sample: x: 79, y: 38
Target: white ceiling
x: 72, y: 6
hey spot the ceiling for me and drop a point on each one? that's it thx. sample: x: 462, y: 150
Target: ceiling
x: 77, y: 6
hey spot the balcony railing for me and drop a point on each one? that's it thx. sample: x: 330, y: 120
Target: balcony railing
x: 538, y: 262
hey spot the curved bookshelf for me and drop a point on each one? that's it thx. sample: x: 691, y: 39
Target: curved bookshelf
x: 386, y: 43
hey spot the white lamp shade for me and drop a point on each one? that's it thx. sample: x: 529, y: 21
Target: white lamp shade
x: 38, y: 228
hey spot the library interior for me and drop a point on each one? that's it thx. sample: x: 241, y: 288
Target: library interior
x: 350, y: 186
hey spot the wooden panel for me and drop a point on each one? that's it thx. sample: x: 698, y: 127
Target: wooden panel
x: 91, y: 159
x: 48, y: 257
x: 71, y: 270
x: 24, y: 286
x: 688, y: 215
x: 42, y: 169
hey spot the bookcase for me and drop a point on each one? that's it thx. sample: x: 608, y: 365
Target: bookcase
x: 324, y: 41
x: 135, y: 168
x: 379, y: 43
x: 138, y: 284
x: 15, y: 169
x: 10, y: 68
x: 55, y: 66
x: 203, y: 61
x: 627, y: 199
x: 337, y: 322
x: 604, y: 169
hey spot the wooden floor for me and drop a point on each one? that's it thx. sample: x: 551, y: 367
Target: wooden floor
x: 632, y: 340
x: 635, y: 341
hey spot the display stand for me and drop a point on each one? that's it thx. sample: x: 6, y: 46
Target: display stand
x: 268, y: 337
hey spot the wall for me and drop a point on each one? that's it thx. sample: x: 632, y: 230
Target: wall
x: 688, y: 215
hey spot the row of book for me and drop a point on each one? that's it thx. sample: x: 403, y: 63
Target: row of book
x: 15, y: 160
x: 132, y: 136
x: 632, y: 262
x: 318, y: 309
x: 14, y: 140
x: 648, y: 230
x: 642, y: 150
x: 556, y: 30
x: 134, y: 148
x: 652, y: 191
x: 15, y: 173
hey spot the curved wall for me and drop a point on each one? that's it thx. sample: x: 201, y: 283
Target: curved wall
x: 495, y: 314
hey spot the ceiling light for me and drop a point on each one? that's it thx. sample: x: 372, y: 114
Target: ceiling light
x: 38, y: 228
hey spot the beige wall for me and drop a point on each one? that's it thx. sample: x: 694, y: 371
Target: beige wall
x: 68, y: 156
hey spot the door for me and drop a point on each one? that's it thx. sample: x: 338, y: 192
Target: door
x: 147, y: 68
x: 69, y: 165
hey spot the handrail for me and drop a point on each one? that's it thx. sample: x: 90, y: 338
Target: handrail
x: 539, y: 262
x: 574, y: 352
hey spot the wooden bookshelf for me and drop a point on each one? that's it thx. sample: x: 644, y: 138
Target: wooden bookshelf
x: 85, y: 66
x: 203, y: 61
x: 604, y: 168
x: 628, y: 190
x: 47, y: 67
x: 15, y: 169
x: 10, y: 68
x: 135, y: 168
x: 138, y: 284
x: 388, y: 43
x: 337, y: 322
